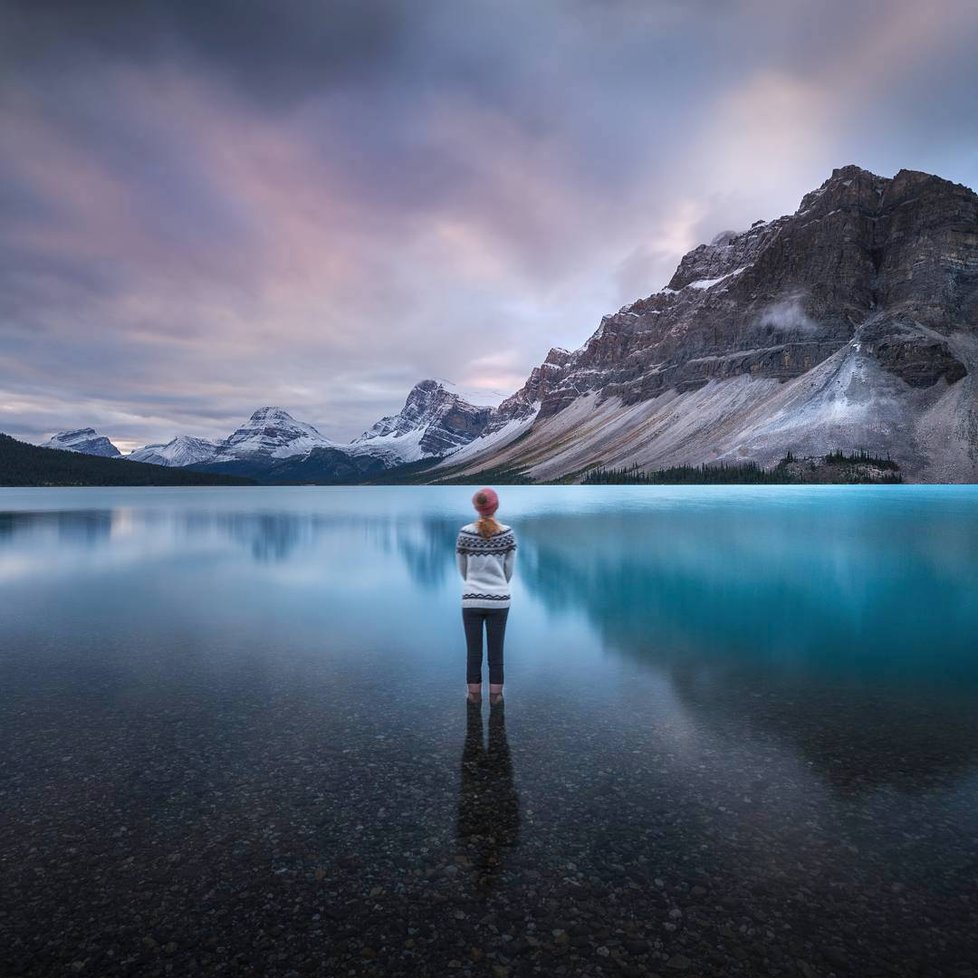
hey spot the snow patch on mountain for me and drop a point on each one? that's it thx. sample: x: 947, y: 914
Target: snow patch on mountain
x: 708, y: 283
x: 396, y: 448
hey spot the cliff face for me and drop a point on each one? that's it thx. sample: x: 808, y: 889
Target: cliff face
x: 869, y: 292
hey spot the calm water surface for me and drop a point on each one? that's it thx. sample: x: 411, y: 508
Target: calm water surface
x: 740, y: 734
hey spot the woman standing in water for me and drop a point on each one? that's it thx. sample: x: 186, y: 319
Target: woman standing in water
x: 486, y: 550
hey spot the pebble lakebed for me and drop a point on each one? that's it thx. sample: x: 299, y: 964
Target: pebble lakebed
x: 216, y: 830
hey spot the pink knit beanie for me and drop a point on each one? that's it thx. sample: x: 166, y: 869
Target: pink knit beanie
x: 486, y: 502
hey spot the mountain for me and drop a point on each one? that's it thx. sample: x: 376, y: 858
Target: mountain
x: 182, y: 450
x: 272, y: 433
x: 271, y: 441
x: 256, y: 449
x: 434, y: 421
x: 272, y: 446
x: 22, y: 464
x: 87, y: 441
x: 850, y: 324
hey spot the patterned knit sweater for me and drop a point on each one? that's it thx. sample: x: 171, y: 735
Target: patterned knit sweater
x: 486, y: 566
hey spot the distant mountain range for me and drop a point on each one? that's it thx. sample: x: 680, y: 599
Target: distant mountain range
x: 849, y: 325
x: 272, y: 446
x: 22, y: 464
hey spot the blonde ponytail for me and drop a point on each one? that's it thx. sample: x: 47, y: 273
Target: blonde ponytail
x: 487, y: 526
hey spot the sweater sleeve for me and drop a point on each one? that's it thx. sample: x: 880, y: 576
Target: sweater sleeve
x: 461, y: 557
x: 508, y: 562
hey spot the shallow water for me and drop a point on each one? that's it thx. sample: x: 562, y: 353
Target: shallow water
x: 740, y: 734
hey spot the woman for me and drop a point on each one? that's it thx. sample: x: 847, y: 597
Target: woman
x: 486, y: 550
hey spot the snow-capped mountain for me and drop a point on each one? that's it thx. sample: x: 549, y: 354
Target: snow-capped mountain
x: 850, y: 324
x: 273, y: 433
x: 86, y: 441
x: 433, y: 421
x: 270, y: 433
x: 182, y: 450
x: 272, y: 446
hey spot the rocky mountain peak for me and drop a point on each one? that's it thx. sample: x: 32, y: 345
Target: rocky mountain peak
x: 274, y: 432
x: 425, y: 395
x: 558, y: 356
x: 729, y: 253
x: 181, y: 450
x: 271, y: 413
x: 846, y: 182
x: 874, y: 277
x: 433, y: 421
x: 86, y: 441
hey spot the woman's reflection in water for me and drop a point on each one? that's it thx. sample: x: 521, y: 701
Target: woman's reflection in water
x: 488, y: 806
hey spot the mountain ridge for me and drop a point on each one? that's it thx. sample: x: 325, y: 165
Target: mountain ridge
x: 23, y: 464
x: 850, y: 324
x: 869, y: 290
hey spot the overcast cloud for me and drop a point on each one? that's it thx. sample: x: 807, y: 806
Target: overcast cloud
x: 207, y: 206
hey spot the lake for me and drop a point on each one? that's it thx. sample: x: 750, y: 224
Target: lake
x: 739, y: 736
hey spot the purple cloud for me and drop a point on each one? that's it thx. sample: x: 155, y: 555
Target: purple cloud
x: 206, y: 207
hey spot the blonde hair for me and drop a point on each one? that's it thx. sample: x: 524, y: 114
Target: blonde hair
x: 487, y: 526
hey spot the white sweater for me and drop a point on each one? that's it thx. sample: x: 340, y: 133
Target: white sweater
x: 486, y: 566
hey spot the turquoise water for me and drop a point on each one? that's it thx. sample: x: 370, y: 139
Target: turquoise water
x: 752, y: 705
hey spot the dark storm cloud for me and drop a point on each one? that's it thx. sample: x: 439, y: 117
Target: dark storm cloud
x: 209, y: 206
x: 273, y: 50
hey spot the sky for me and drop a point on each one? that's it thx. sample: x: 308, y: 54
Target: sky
x: 208, y: 206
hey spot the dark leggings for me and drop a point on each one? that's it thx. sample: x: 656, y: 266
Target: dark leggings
x: 495, y: 620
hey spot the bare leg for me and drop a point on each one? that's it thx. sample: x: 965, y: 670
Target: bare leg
x: 475, y: 693
x: 495, y: 693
